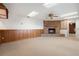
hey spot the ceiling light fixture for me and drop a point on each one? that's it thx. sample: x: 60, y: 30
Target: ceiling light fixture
x: 32, y: 14
x: 48, y: 5
x: 69, y: 14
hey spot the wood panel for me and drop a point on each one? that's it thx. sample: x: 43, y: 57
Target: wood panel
x: 13, y: 35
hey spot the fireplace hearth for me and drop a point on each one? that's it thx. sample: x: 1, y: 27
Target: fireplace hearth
x: 51, y: 31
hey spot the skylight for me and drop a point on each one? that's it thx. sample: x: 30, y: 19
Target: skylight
x: 32, y: 14
x: 69, y: 14
x: 48, y: 5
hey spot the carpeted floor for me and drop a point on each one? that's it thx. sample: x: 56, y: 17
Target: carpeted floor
x: 41, y: 46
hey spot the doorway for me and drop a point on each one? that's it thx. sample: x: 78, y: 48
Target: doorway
x: 72, y: 27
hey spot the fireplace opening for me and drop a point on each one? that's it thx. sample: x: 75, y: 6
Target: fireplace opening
x: 51, y: 31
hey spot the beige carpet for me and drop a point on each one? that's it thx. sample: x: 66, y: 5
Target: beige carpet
x: 41, y: 46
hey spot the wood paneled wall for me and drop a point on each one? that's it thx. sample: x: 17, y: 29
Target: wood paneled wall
x: 13, y: 35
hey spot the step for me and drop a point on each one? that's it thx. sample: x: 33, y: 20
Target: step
x: 56, y: 35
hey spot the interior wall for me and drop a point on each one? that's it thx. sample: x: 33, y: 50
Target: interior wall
x: 18, y: 27
x: 77, y: 28
x: 13, y: 35
x: 77, y: 22
x: 15, y: 21
x: 65, y: 26
x: 22, y: 23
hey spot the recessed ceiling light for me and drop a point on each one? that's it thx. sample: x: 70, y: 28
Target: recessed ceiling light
x: 32, y: 14
x: 69, y: 14
x: 48, y: 5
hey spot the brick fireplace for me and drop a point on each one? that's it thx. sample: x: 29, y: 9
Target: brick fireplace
x: 52, y: 27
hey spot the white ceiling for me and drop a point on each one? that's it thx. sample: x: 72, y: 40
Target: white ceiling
x: 23, y: 9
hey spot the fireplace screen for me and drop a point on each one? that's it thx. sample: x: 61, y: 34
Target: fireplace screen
x: 51, y: 31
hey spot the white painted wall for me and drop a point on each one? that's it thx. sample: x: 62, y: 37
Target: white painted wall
x: 77, y: 28
x: 22, y: 23
x: 77, y: 23
x: 65, y: 28
x: 19, y: 22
